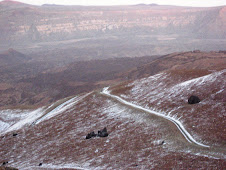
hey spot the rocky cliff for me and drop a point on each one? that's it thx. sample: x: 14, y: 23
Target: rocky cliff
x: 26, y: 23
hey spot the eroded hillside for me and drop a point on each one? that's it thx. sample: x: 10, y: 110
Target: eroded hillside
x: 149, y: 121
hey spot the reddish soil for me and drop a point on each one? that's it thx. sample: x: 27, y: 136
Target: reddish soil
x: 131, y: 143
x: 165, y: 95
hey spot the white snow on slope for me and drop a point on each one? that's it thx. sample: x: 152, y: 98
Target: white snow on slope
x: 168, y: 94
x: 61, y: 108
x: 179, y: 125
x: 22, y: 119
x: 9, y: 117
x: 51, y: 166
x: 201, y: 80
x: 28, y: 118
x: 155, y: 89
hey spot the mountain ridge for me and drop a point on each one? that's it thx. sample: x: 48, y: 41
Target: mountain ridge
x: 157, y: 19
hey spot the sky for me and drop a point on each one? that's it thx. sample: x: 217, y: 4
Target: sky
x: 196, y: 3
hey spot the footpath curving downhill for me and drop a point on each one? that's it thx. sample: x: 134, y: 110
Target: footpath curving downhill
x: 179, y: 125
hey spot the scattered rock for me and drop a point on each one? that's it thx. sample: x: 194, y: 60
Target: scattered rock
x: 193, y: 100
x: 15, y: 134
x: 103, y: 133
x: 40, y: 164
x: 90, y: 135
x: 4, y: 163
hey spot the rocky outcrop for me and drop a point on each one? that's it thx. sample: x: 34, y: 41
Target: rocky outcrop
x: 91, y: 135
x: 101, y: 133
x: 193, y: 100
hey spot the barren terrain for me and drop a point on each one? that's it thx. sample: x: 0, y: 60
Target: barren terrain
x: 66, y: 71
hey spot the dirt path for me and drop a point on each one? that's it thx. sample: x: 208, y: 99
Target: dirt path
x: 179, y: 125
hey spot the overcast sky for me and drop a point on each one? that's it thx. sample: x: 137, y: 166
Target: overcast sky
x: 199, y: 3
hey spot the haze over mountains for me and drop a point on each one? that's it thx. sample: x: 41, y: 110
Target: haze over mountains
x: 66, y: 71
x: 49, y: 22
x: 106, y: 32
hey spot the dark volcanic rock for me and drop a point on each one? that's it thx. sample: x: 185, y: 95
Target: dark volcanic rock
x: 4, y: 163
x: 193, y: 100
x: 103, y: 133
x: 15, y: 134
x: 40, y: 164
x: 90, y: 135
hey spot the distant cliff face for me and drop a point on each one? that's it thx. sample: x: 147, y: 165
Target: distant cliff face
x: 25, y: 23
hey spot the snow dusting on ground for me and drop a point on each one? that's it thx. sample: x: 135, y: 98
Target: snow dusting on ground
x: 168, y: 95
x: 55, y: 135
x: 12, y: 120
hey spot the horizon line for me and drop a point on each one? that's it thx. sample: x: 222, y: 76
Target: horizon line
x: 112, y: 5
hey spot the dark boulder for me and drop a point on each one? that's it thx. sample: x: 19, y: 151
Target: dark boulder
x: 15, y: 134
x: 193, y: 100
x: 103, y: 133
x: 90, y: 135
x: 40, y: 164
x: 4, y: 163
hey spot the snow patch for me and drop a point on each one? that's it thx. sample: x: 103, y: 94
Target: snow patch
x: 51, y: 166
x: 61, y: 108
x: 25, y: 119
x: 13, y: 120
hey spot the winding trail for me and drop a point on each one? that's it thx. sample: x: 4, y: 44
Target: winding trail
x: 179, y: 125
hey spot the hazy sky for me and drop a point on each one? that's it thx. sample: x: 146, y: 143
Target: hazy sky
x: 203, y: 3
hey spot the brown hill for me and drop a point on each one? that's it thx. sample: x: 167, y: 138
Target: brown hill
x: 176, y: 61
x: 168, y: 93
x: 56, y: 134
x: 85, y: 76
x: 36, y: 84
x: 12, y: 57
x: 10, y: 2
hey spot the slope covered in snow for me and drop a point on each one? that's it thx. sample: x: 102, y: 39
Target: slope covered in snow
x: 12, y: 120
x: 168, y: 93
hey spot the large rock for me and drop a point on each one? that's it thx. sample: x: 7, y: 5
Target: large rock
x: 103, y: 133
x: 193, y: 100
x: 90, y: 135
